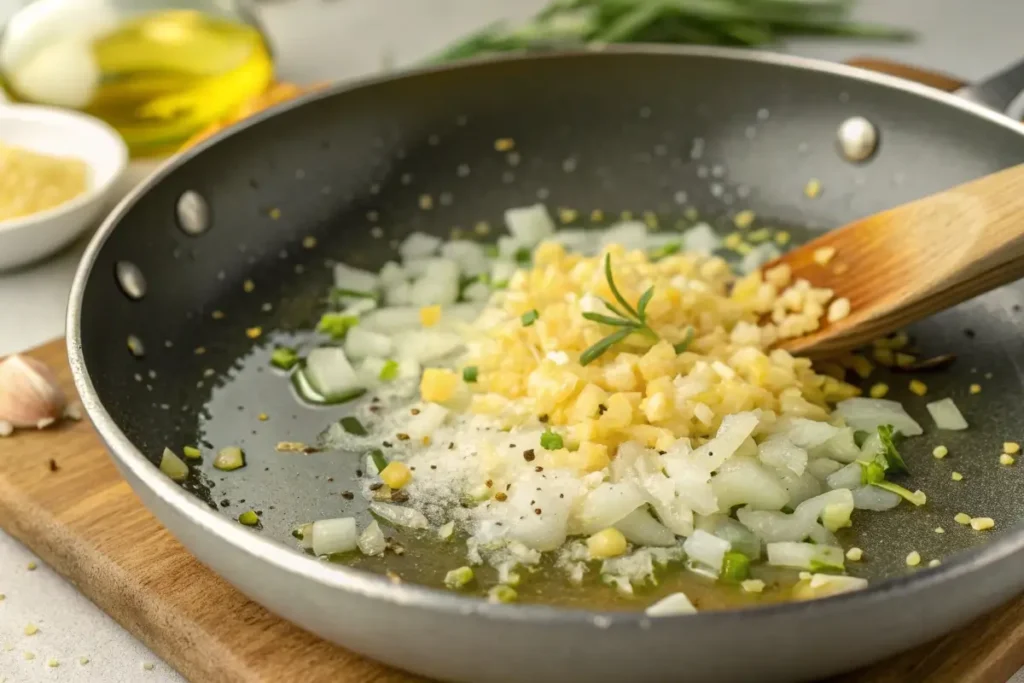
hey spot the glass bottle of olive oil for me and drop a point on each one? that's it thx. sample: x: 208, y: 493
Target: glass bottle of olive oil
x: 156, y: 70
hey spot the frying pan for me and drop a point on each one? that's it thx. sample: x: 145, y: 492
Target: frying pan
x: 227, y: 228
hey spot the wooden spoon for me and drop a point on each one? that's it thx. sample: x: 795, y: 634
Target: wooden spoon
x: 909, y: 262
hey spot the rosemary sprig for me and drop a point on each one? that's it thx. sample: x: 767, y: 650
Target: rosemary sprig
x: 633, y: 320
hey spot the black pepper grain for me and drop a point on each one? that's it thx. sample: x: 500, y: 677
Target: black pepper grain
x: 538, y: 468
x: 528, y: 455
x: 415, y: 411
x: 402, y: 437
x: 53, y: 465
x: 500, y: 497
x: 347, y: 495
x: 376, y: 486
x: 543, y: 419
x: 536, y: 511
x: 602, y: 409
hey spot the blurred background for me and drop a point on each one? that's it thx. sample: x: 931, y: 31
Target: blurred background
x: 165, y: 73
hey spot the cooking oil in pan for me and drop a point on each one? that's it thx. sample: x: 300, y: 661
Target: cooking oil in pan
x: 157, y: 77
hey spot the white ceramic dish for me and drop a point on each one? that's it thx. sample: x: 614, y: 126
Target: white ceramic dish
x: 66, y: 133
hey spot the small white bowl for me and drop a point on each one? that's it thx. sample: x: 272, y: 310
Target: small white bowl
x: 62, y: 133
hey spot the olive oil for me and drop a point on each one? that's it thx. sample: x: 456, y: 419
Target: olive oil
x: 157, y: 77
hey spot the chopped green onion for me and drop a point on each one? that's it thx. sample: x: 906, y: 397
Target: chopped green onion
x: 916, y: 497
x: 499, y: 284
x: 389, y: 371
x: 735, y: 567
x: 379, y: 461
x: 666, y: 250
x: 191, y: 452
x: 836, y: 516
x: 523, y: 256
x: 249, y: 518
x: 307, y: 393
x: 458, y: 578
x: 872, y: 472
x: 284, y: 357
x: 502, y: 593
x: 530, y: 317
x: 820, y: 566
x: 339, y: 293
x: 353, y: 426
x: 173, y: 466
x: 491, y: 250
x: 469, y: 373
x: 336, y: 324
x: 229, y: 458
x: 550, y: 440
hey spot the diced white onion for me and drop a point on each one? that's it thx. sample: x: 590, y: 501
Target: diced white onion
x: 606, y: 505
x: 355, y: 279
x: 438, y: 285
x: 529, y: 225
x: 670, y: 606
x: 734, y: 430
x: 553, y: 496
x: 778, y: 452
x: 758, y: 256
x: 849, y: 477
x: 744, y: 481
x: 701, y: 238
x: 799, y: 488
x: 468, y: 255
x: 640, y: 528
x: 630, y: 234
x: 427, y: 345
x: 419, y: 245
x: 398, y: 294
x: 824, y: 585
x: 807, y: 556
x: 841, y: 447
x: 502, y: 271
x: 822, y: 468
x: 371, y: 541
x: 947, y: 415
x: 329, y: 373
x: 361, y: 342
x: 392, y: 274
x: 392, y: 320
x: 806, y: 433
x: 739, y: 537
x: 332, y: 536
x: 707, y: 550
x: 400, y: 516
x: 874, y: 498
x: 426, y: 422
x: 476, y: 291
x: 868, y: 414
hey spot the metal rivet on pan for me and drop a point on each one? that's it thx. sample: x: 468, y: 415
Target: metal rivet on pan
x: 858, y: 138
x: 193, y: 213
x: 130, y: 279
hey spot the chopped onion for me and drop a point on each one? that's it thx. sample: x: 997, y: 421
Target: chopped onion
x: 304, y: 534
x: 330, y: 374
x: 359, y: 306
x: 502, y: 272
x: 701, y: 238
x: 806, y: 433
x: 529, y: 225
x: 418, y: 245
x: 822, y: 468
x: 361, y: 343
x: 371, y: 541
x: 758, y: 256
x: 355, y: 279
x: 809, y: 556
x: 778, y: 452
x: 392, y: 320
x: 842, y: 447
x: 640, y: 528
x: 733, y: 431
x: 947, y: 415
x: 576, y: 240
x: 476, y: 291
x: 392, y: 274
x: 630, y: 234
x: 173, y: 466
x: 847, y: 478
x: 332, y: 536
x: 606, y: 505
x: 426, y: 346
x: 707, y: 550
x: 799, y: 488
x: 470, y: 256
x: 671, y: 605
x: 438, y: 285
x: 739, y: 537
x: 553, y: 496
x: 399, y: 294
x: 400, y: 516
x: 874, y: 498
x: 744, y: 481
x: 868, y: 414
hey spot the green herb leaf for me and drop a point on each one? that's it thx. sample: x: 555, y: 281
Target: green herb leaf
x: 887, y: 435
x: 665, y: 250
x: 735, y: 567
x: 379, y: 461
x: 389, y: 371
x: 614, y: 310
x: 685, y: 344
x: 641, y: 306
x: 615, y: 290
x: 530, y: 317
x: 284, y: 358
x: 353, y: 426
x: 608, y: 320
x: 603, y: 345
x: 336, y: 324
x: 550, y: 441
x: 469, y: 374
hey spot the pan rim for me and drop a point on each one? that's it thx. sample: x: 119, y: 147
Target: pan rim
x: 375, y: 587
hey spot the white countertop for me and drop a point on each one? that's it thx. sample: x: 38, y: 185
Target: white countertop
x: 318, y: 40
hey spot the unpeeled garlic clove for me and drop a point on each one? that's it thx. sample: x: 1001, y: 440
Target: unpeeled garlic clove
x: 29, y: 393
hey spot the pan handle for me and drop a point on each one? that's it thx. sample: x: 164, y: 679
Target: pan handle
x: 1003, y: 92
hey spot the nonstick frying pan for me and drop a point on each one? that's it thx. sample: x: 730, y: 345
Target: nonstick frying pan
x: 240, y: 234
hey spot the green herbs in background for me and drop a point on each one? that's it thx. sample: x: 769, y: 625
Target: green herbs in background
x: 888, y: 459
x: 574, y: 23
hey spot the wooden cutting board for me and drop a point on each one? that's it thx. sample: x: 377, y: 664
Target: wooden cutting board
x: 61, y: 496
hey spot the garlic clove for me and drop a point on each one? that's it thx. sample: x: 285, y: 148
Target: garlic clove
x: 29, y: 393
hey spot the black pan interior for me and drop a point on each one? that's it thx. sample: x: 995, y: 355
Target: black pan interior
x: 343, y: 176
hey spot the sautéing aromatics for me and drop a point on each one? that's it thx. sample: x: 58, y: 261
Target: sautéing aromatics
x: 609, y: 398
